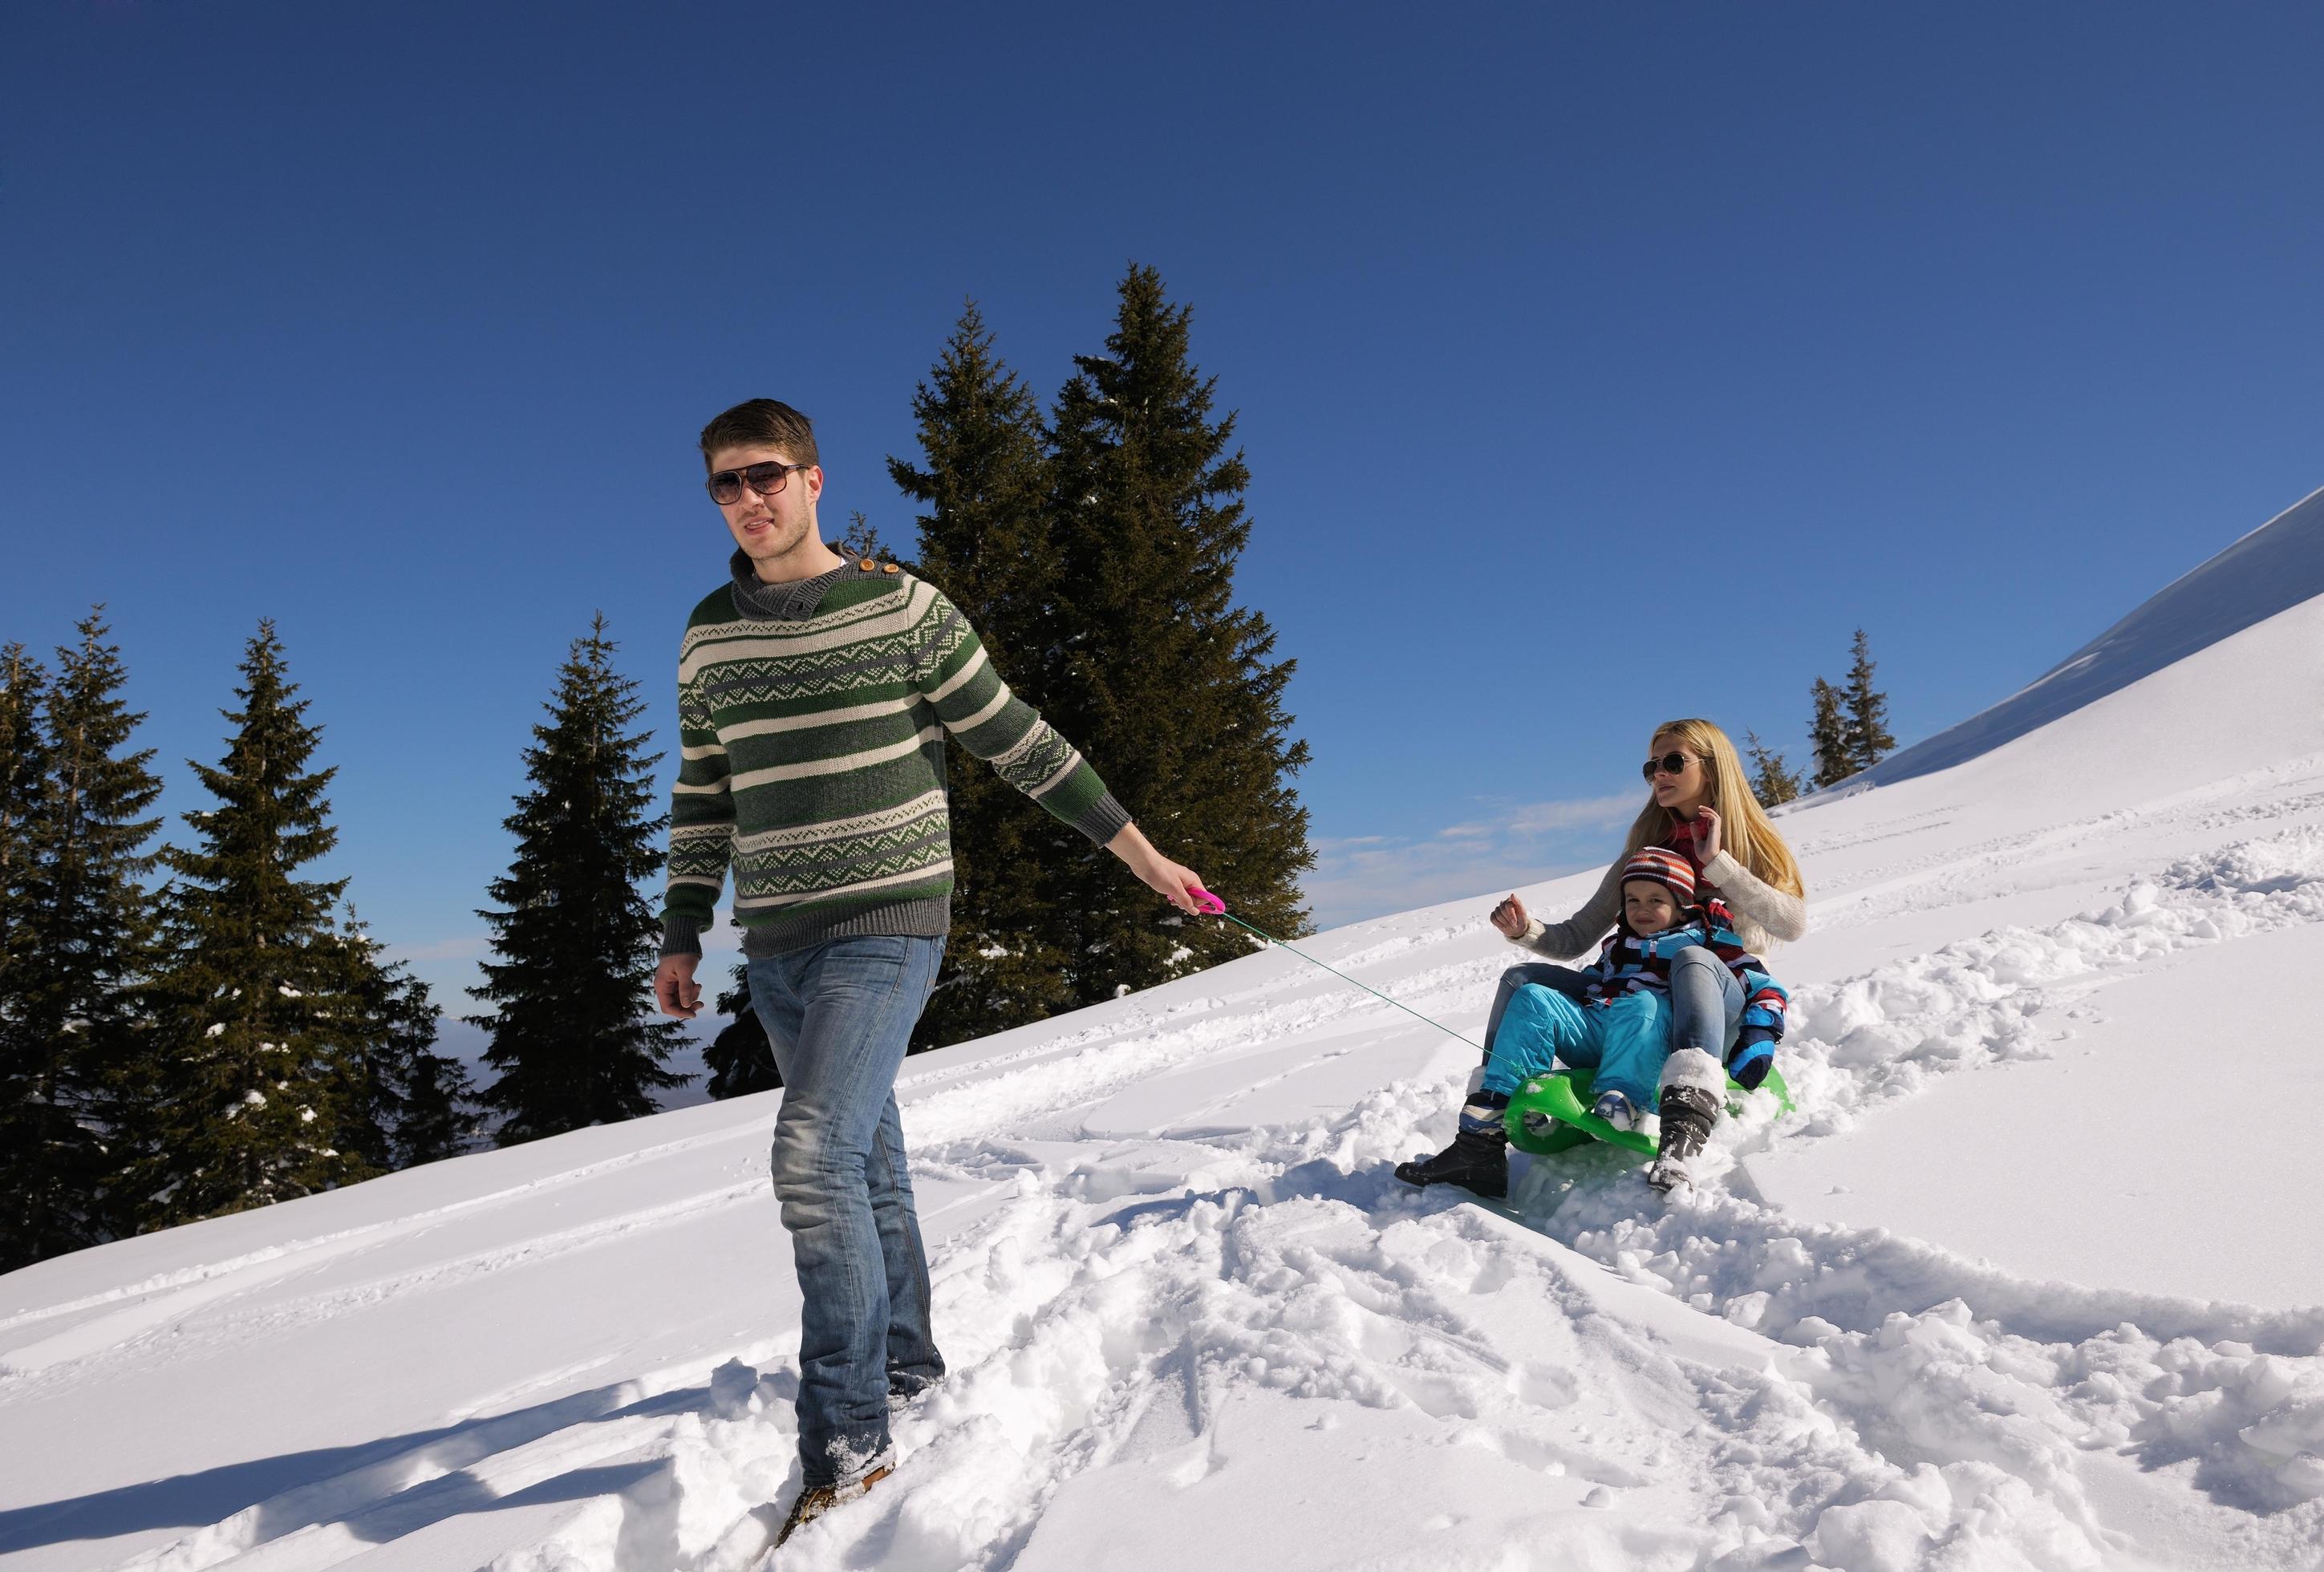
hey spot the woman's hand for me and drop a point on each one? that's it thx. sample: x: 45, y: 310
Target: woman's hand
x: 1706, y: 832
x: 1510, y: 918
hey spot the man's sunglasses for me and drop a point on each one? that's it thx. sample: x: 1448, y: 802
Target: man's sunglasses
x: 766, y: 479
x: 1672, y: 763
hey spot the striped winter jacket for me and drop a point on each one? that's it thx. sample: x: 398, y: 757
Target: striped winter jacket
x: 1628, y: 963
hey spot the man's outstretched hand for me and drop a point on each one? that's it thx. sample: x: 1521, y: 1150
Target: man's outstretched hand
x: 674, y: 989
x: 1175, y: 881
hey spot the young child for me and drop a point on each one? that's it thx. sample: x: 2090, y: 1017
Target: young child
x: 1621, y: 1026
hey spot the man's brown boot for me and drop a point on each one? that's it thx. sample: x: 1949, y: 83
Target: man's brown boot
x: 817, y: 1499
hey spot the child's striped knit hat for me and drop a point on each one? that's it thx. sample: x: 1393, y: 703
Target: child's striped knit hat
x: 1664, y: 867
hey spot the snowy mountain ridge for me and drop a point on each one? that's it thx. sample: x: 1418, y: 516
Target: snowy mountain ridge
x: 2022, y: 1283
x: 2273, y: 569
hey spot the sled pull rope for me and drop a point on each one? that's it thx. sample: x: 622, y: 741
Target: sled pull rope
x: 1209, y: 903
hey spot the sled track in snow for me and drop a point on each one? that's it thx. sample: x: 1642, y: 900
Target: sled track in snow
x: 1913, y: 1409
x: 1930, y: 878
x: 1940, y: 1402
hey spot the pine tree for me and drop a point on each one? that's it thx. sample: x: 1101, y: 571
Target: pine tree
x: 1156, y: 676
x: 740, y: 1058
x: 401, y: 1102
x: 245, y: 1067
x: 24, y: 766
x: 1772, y: 780
x: 861, y: 540
x: 84, y: 941
x: 1870, y: 739
x: 573, y: 1037
x: 1831, y: 737
x: 440, y: 1115
x: 24, y: 1047
x: 985, y: 541
x: 23, y: 772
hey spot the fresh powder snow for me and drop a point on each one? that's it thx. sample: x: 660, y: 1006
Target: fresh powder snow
x: 2033, y: 1277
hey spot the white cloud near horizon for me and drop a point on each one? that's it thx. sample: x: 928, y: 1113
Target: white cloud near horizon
x: 1533, y: 819
x: 467, y: 947
x: 1579, y: 813
x: 1359, y: 877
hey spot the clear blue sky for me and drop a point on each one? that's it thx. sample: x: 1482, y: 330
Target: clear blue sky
x: 1595, y: 364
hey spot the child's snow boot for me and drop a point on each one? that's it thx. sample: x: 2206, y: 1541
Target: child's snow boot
x: 1478, y: 1161
x: 1688, y: 1114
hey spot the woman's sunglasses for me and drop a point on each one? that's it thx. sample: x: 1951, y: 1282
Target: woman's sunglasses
x: 1672, y: 763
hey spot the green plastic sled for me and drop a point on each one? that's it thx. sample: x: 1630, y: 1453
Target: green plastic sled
x: 1562, y: 1095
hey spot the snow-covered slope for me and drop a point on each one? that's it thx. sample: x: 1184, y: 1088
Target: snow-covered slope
x: 2275, y: 568
x: 2034, y: 1278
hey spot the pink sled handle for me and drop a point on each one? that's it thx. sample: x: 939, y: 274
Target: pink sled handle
x: 1205, y: 901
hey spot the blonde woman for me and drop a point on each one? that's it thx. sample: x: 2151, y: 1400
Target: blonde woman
x: 1700, y: 806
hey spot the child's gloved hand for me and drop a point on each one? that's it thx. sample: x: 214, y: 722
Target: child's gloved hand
x: 1755, y: 1055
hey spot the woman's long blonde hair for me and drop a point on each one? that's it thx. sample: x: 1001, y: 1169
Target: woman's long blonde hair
x: 1743, y: 824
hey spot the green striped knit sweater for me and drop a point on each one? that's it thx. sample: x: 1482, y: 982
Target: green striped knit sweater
x: 812, y: 719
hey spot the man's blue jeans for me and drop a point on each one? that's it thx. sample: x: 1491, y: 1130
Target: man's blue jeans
x: 839, y: 1014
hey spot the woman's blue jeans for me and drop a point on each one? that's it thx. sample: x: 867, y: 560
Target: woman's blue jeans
x: 1562, y: 980
x: 839, y: 1015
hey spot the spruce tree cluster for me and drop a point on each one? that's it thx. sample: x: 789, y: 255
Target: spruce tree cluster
x: 408, y: 1103
x: 1094, y: 552
x: 573, y: 1036
x: 984, y: 540
x: 1773, y: 780
x: 1834, y: 749
x: 1849, y: 728
x: 236, y: 1036
x: 227, y: 1040
x: 280, y: 1044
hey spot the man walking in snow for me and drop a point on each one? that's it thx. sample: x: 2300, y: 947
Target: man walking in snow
x: 815, y: 696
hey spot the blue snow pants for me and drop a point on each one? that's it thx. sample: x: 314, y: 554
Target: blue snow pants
x: 1624, y: 1040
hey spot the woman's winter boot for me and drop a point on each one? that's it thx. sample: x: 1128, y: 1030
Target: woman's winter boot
x: 1478, y: 1161
x: 1688, y: 1112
